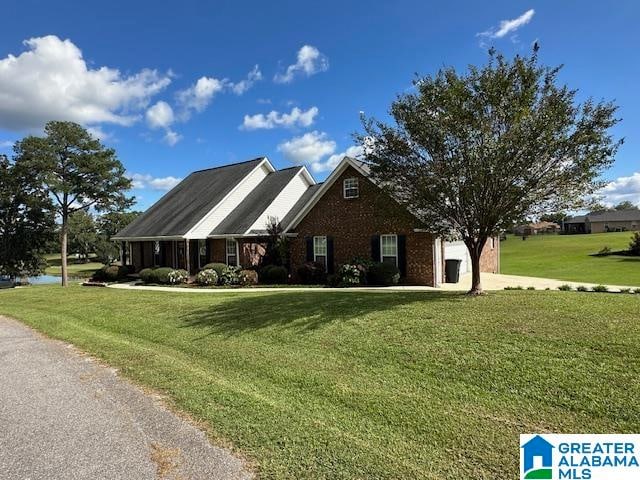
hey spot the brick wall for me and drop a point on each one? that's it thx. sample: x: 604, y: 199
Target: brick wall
x: 490, y: 258
x: 352, y: 223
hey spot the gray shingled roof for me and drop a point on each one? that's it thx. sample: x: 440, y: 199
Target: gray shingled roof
x: 576, y: 219
x: 299, y: 205
x: 183, y: 206
x: 245, y: 214
x: 615, y: 216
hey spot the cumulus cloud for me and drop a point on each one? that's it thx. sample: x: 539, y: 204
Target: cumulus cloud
x: 142, y: 181
x: 198, y: 96
x: 6, y: 144
x: 309, y: 62
x: 160, y: 115
x: 51, y: 80
x: 308, y: 149
x: 621, y: 189
x: 333, y: 161
x: 275, y: 119
x: 508, y: 26
x: 242, y: 86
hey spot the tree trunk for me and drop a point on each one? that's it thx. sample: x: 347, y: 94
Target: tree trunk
x: 63, y: 251
x: 476, y: 285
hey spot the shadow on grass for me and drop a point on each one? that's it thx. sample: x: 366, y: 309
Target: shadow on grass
x: 302, y: 311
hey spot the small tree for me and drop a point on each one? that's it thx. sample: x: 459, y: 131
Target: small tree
x: 108, y: 225
x: 472, y: 153
x: 83, y: 237
x: 77, y: 171
x: 626, y: 205
x: 26, y: 225
x: 277, y: 250
x: 634, y: 246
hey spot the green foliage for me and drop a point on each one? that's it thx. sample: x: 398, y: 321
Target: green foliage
x: 218, y: 267
x: 450, y: 152
x: 248, y: 277
x: 634, y: 246
x: 207, y: 277
x: 83, y: 236
x: 565, y: 288
x: 176, y: 277
x: 349, y: 275
x: 161, y: 275
x: 164, y: 275
x: 637, y: 290
x: 626, y: 205
x: 600, y: 288
x: 582, y: 288
x: 26, y: 221
x: 274, y: 275
x: 230, y: 276
x: 531, y: 288
x: 147, y: 275
x: 519, y: 287
x: 606, y: 250
x: 77, y: 171
x: 277, y: 250
x: 625, y: 290
x: 383, y: 274
x: 111, y: 273
x: 312, y: 273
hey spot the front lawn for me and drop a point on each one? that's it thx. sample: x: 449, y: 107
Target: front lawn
x: 569, y: 257
x: 366, y: 385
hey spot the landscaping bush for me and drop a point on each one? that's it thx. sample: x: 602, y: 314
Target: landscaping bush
x: 600, y: 288
x: 637, y: 290
x: 207, y: 277
x: 274, y: 274
x: 634, y: 246
x: 176, y: 277
x: 230, y: 275
x: 248, y: 277
x: 161, y: 275
x: 333, y: 280
x: 531, y: 288
x: 147, y: 275
x: 565, y: 288
x: 383, y: 274
x: 519, y: 287
x: 625, y: 290
x: 312, y: 273
x: 349, y: 275
x: 582, y: 288
x: 218, y: 267
x: 111, y: 273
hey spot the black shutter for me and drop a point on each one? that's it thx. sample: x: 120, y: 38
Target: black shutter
x: 402, y: 255
x: 330, y: 266
x: 207, y: 246
x: 309, y: 242
x: 375, y: 248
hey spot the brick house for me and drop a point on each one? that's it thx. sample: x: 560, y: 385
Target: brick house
x: 220, y: 215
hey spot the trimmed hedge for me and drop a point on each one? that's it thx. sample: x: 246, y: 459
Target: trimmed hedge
x: 207, y: 277
x: 111, y: 273
x: 312, y: 273
x: 383, y: 274
x: 274, y: 274
x: 218, y: 267
x: 163, y: 275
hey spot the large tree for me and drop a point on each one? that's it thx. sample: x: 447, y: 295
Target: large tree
x: 26, y: 223
x: 474, y: 152
x: 77, y: 171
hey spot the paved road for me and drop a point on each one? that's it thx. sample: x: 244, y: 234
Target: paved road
x: 63, y: 416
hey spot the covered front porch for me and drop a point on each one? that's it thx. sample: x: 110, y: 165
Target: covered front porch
x: 191, y: 254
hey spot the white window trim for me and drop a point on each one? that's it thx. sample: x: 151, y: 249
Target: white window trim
x: 396, y: 241
x: 356, y: 188
x: 237, y: 255
x: 326, y: 249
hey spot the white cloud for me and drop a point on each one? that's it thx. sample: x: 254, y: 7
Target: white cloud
x: 99, y: 133
x: 310, y: 61
x: 6, y: 144
x: 275, y: 119
x: 171, y: 137
x: 333, y: 161
x: 309, y: 149
x: 160, y: 115
x: 621, y: 189
x: 508, y: 26
x: 142, y: 181
x: 199, y: 95
x: 242, y: 86
x: 52, y: 81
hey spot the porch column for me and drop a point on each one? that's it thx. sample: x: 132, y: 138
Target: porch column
x: 187, y: 259
x: 123, y: 253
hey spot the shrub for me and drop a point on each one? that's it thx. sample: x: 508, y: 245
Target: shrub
x: 637, y: 290
x: 531, y: 288
x: 161, y: 275
x: 582, y: 288
x: 207, y: 277
x: 606, y: 250
x: 565, y: 288
x: 383, y: 274
x: 625, y: 290
x: 312, y: 273
x: 178, y: 276
x: 111, y: 273
x: 600, y: 288
x: 147, y: 275
x: 349, y: 275
x: 519, y: 287
x: 634, y: 246
x: 218, y: 267
x: 248, y: 277
x: 333, y: 280
x: 230, y: 275
x: 274, y: 274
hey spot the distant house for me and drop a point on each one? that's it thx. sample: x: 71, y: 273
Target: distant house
x: 604, y: 221
x: 220, y: 215
x: 537, y: 228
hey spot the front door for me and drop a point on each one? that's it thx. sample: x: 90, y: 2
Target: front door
x: 180, y: 253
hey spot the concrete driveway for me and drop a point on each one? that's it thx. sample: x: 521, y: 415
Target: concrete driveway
x: 64, y: 416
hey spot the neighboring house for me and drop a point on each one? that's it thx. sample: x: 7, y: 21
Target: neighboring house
x: 536, y: 228
x: 220, y: 215
x: 604, y: 221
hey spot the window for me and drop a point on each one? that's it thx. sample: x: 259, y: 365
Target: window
x: 232, y: 252
x: 202, y: 253
x: 350, y: 188
x: 493, y: 243
x: 320, y: 250
x: 156, y: 253
x: 389, y: 249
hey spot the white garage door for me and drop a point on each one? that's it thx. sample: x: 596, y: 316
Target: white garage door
x: 458, y: 250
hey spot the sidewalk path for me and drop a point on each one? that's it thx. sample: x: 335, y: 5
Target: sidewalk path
x: 64, y: 416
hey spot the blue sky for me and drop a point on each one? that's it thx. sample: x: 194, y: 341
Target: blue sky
x: 169, y: 86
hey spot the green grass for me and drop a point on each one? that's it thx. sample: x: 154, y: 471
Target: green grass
x: 567, y: 257
x: 366, y: 385
x: 75, y: 269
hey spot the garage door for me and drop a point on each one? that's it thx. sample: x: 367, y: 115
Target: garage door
x: 458, y: 250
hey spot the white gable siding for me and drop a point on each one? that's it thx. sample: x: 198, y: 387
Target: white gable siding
x: 458, y: 250
x: 231, y: 201
x: 283, y: 202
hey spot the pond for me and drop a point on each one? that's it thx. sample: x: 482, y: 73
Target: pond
x: 44, y: 279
